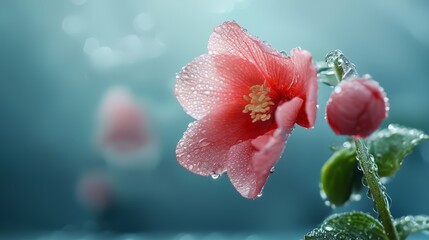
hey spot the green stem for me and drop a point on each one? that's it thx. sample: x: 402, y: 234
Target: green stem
x: 369, y: 169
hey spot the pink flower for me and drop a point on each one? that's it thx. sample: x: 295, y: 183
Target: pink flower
x: 123, y: 135
x: 356, y: 107
x: 121, y: 123
x: 246, y: 98
x: 95, y: 191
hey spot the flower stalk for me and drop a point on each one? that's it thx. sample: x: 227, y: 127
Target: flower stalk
x: 376, y: 188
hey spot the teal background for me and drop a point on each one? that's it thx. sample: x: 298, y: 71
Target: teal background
x: 50, y: 90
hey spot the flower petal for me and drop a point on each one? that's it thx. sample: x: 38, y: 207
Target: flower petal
x: 121, y: 122
x: 205, y: 144
x: 305, y: 86
x: 247, y: 180
x: 267, y: 147
x: 287, y: 113
x: 250, y: 162
x: 230, y: 38
x: 213, y: 80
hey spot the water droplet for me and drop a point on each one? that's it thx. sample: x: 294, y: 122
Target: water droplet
x: 337, y: 89
x: 388, y: 200
x: 355, y: 197
x: 360, y: 169
x: 364, y: 182
x: 367, y: 76
x: 322, y: 193
x: 328, y: 228
x: 368, y: 194
x: 329, y: 204
x: 203, y: 142
x: 347, y: 145
x: 374, y: 208
x: 215, y: 176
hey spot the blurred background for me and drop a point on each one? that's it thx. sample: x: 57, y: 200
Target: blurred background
x: 66, y: 68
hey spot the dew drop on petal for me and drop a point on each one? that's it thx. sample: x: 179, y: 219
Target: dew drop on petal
x: 203, y: 142
x: 337, y: 89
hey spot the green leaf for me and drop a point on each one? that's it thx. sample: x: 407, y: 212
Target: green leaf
x: 411, y: 224
x: 353, y: 225
x: 391, y: 145
x: 326, y: 75
x: 339, y: 175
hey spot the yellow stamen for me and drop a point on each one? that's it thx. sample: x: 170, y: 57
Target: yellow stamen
x: 260, y: 103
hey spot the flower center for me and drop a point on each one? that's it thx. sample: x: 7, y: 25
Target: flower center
x: 260, y: 103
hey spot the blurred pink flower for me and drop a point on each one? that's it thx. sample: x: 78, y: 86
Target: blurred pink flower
x: 95, y: 191
x: 246, y: 98
x: 123, y: 134
x: 356, y: 107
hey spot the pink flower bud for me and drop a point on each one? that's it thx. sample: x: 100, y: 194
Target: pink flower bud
x: 357, y: 107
